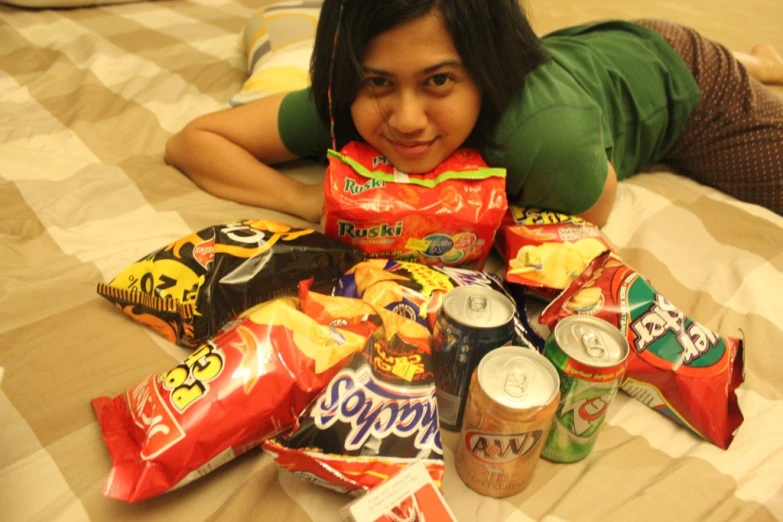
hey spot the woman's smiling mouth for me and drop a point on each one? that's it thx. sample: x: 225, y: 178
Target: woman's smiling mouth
x: 411, y: 149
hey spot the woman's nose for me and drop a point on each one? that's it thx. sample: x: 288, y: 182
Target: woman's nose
x: 407, y: 114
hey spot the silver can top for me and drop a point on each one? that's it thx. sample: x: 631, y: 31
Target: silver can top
x: 518, y: 378
x: 591, y: 341
x: 478, y: 306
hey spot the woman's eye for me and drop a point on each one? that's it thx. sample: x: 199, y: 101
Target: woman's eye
x: 439, y: 80
x: 376, y: 82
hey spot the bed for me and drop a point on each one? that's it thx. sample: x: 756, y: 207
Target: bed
x: 88, y: 97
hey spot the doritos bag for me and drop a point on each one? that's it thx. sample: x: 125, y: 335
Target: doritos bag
x: 445, y: 217
x: 545, y: 251
x: 376, y: 416
x: 244, y: 385
x: 676, y: 366
x: 189, y: 289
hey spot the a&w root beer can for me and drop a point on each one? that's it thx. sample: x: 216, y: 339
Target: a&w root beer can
x: 590, y: 356
x: 513, y: 396
x: 472, y: 321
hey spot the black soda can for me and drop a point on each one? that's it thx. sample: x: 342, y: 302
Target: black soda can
x: 472, y: 321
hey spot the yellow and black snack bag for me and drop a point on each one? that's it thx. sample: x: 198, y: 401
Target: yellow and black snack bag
x: 189, y: 289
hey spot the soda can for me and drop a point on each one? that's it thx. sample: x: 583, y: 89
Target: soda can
x: 471, y: 321
x: 590, y: 356
x: 513, y: 396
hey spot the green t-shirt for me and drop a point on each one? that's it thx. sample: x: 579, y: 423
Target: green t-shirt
x: 612, y: 90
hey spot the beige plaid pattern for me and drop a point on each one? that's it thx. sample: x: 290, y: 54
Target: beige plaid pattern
x: 88, y: 98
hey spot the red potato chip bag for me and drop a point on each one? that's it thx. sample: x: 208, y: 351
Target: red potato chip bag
x: 545, y: 251
x: 188, y: 290
x: 445, y: 217
x: 377, y: 415
x: 244, y: 385
x: 676, y: 366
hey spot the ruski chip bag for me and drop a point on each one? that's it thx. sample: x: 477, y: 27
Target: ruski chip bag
x: 376, y: 416
x: 189, y: 289
x: 448, y: 216
x: 416, y: 291
x: 545, y: 251
x: 676, y: 366
x: 241, y: 387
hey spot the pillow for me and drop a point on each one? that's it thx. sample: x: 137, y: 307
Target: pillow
x: 278, y: 40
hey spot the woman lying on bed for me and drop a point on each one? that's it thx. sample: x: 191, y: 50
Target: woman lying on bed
x: 567, y: 115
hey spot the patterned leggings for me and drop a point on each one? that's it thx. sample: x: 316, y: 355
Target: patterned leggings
x: 733, y: 140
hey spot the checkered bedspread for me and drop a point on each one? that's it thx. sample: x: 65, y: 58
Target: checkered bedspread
x: 88, y: 98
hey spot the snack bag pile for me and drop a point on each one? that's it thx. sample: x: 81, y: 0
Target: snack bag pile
x: 189, y: 289
x: 675, y: 365
x: 445, y: 217
x: 416, y: 291
x: 545, y: 251
x: 377, y: 415
x: 244, y: 385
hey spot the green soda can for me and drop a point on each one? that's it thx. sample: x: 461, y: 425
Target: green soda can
x: 590, y: 356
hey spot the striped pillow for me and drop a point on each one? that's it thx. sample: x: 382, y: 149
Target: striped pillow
x: 278, y: 40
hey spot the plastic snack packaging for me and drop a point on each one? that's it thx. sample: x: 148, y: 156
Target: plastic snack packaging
x: 409, y: 496
x: 448, y: 216
x: 545, y: 251
x: 189, y: 289
x: 416, y: 291
x: 675, y: 365
x: 376, y: 416
x: 244, y: 385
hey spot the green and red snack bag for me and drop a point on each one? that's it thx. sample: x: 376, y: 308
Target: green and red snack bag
x: 448, y: 216
x: 676, y: 366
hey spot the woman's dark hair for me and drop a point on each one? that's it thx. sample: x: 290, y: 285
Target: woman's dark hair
x: 493, y: 37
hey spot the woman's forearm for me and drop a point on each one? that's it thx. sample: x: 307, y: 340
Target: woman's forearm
x: 228, y: 171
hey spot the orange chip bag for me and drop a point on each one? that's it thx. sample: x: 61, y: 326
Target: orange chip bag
x: 448, y: 216
x: 338, y: 311
x: 545, y: 251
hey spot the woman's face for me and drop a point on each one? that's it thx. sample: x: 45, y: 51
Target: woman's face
x: 417, y: 103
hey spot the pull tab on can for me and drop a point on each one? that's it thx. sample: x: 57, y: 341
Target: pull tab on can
x: 477, y: 309
x: 520, y: 377
x: 589, y: 340
x: 593, y: 345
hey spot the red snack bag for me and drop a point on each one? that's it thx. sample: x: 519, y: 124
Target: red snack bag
x: 244, y: 385
x: 675, y: 365
x: 377, y: 415
x: 445, y: 217
x: 545, y: 251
